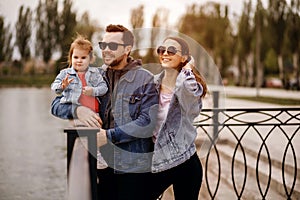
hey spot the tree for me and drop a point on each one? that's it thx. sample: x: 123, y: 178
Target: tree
x: 67, y: 30
x: 293, y: 37
x: 277, y: 26
x: 259, y: 27
x: 244, y: 38
x: 190, y: 20
x: 2, y: 39
x: 209, y: 26
x: 137, y: 21
x: 86, y: 27
x: 23, y: 33
x: 8, y: 47
x: 159, y: 19
x: 223, y: 38
x: 47, y: 30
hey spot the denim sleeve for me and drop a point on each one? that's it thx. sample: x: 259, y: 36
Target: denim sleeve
x: 144, y: 124
x: 101, y: 87
x: 189, y: 91
x: 63, y: 110
x: 56, y: 85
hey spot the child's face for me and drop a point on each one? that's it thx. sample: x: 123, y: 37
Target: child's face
x: 80, y: 59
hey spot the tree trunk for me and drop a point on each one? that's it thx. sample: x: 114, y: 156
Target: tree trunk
x: 243, y: 74
x: 250, y: 79
x: 280, y: 65
x: 296, y: 70
x: 219, y: 64
x: 235, y: 64
x: 259, y: 68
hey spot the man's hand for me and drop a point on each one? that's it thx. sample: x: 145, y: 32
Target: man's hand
x: 101, y: 138
x: 88, y: 117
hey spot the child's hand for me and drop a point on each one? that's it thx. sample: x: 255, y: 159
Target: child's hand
x: 87, y: 91
x: 65, y: 82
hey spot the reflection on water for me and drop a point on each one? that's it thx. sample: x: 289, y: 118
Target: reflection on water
x: 32, y: 146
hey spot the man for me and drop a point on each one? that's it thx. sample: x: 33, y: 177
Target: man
x: 127, y: 114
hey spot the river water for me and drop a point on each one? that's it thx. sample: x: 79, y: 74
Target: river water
x: 32, y: 146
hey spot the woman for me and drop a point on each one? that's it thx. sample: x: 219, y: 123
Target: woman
x: 181, y: 88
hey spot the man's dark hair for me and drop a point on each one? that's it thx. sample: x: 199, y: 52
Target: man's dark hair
x: 128, y: 37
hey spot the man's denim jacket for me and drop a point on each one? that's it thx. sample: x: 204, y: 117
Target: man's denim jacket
x: 134, y: 107
x: 72, y: 93
x: 175, y: 140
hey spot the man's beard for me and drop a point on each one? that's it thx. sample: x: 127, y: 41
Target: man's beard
x: 117, y: 61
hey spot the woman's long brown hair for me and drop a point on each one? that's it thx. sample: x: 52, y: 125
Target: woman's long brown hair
x: 185, y: 51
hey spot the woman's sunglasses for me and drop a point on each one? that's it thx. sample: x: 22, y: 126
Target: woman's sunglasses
x: 171, y: 50
x: 111, y: 45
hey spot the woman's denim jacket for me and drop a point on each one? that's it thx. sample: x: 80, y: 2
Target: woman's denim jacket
x: 134, y: 107
x: 175, y: 140
x: 72, y: 93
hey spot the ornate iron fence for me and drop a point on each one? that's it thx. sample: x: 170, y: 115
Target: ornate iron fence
x: 250, y: 153
x: 246, y: 153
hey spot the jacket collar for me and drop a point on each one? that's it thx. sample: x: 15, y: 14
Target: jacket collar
x: 71, y: 70
x: 158, y: 80
x: 128, y: 71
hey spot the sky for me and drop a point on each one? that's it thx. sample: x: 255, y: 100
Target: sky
x: 118, y: 11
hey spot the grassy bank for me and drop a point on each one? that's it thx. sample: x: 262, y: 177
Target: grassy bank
x: 279, y: 101
x: 27, y: 80
x: 46, y: 79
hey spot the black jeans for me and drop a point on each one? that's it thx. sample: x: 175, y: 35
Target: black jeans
x: 124, y: 186
x: 105, y: 188
x: 186, y: 179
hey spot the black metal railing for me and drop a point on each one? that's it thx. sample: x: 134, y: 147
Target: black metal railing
x: 246, y: 153
x: 250, y: 153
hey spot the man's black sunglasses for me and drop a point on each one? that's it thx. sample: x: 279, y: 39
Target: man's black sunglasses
x: 171, y: 50
x: 111, y: 45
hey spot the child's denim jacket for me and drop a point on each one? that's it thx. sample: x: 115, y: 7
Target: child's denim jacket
x: 175, y: 140
x: 72, y: 93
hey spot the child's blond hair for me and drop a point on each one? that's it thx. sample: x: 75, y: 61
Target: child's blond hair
x: 81, y: 43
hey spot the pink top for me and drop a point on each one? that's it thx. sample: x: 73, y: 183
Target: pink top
x: 164, y: 102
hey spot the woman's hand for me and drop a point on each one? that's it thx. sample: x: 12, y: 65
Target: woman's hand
x: 190, y: 64
x: 88, y: 117
x: 101, y: 138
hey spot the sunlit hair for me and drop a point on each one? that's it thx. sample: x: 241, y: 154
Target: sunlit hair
x: 185, y: 51
x: 83, y: 44
x: 128, y: 37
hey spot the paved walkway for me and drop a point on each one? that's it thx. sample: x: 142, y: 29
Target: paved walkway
x: 268, y: 92
x: 226, y: 102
